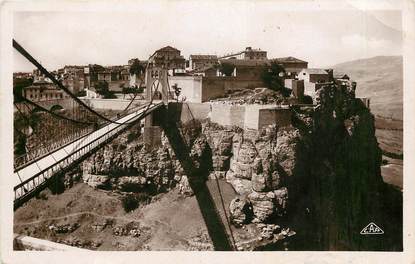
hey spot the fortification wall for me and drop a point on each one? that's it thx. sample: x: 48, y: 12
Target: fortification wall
x: 243, y: 116
x: 214, y: 87
x: 113, y: 104
x: 228, y: 115
x: 251, y: 116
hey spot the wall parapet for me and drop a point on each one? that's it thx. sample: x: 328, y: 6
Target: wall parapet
x: 243, y: 116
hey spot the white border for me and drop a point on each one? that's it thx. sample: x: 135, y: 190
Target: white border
x: 6, y: 199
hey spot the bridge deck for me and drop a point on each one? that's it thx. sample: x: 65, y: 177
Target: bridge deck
x: 27, y: 179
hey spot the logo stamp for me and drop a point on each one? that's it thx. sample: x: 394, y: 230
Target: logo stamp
x: 372, y: 229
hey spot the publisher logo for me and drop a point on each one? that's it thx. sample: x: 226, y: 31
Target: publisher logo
x: 372, y: 229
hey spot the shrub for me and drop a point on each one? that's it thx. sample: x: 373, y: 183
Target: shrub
x: 272, y: 76
x: 131, y: 201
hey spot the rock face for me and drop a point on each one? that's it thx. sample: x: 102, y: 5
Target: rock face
x: 337, y: 182
x: 130, y: 166
x: 240, y: 210
x: 326, y: 167
x: 220, y: 141
x: 268, y: 204
x: 96, y: 181
x: 260, y: 166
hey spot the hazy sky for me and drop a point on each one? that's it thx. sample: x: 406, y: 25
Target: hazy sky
x: 322, y: 37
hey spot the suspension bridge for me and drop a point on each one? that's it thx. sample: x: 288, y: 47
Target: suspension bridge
x: 51, y: 140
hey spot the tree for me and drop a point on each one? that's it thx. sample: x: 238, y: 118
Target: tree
x: 272, y: 76
x: 102, y: 88
x: 226, y: 68
x: 137, y: 68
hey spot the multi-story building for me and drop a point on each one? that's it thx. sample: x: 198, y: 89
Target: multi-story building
x: 40, y: 77
x: 291, y: 65
x: 197, y: 62
x: 314, y: 75
x: 117, y: 77
x: 246, y: 69
x: 168, y: 58
x: 314, y: 79
x: 248, y: 54
x: 22, y: 75
x: 73, y: 77
x: 43, y: 91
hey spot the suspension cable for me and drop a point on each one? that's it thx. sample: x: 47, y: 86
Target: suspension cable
x: 22, y: 51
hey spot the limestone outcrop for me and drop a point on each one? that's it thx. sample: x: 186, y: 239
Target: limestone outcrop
x: 240, y: 210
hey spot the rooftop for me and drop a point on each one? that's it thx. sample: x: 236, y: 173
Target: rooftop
x: 167, y: 48
x: 203, y: 57
x: 289, y: 59
x: 340, y: 75
x: 249, y: 63
x: 315, y: 71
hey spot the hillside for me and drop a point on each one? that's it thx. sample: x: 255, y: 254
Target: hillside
x: 381, y: 79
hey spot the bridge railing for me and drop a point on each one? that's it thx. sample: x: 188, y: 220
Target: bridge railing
x: 36, y: 154
x: 28, y: 186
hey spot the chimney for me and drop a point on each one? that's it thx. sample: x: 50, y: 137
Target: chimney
x: 248, y: 48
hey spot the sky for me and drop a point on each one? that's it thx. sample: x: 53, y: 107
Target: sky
x: 321, y: 36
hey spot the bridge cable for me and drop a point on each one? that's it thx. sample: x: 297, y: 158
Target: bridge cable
x: 35, y: 105
x: 22, y: 51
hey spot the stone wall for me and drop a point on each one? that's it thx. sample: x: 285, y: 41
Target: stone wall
x: 228, y: 115
x: 213, y: 87
x: 243, y: 116
x: 187, y: 111
x: 113, y: 104
x: 232, y: 83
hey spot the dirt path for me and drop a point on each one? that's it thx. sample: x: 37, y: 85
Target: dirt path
x: 76, y: 214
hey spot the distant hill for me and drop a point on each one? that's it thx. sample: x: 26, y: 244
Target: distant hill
x: 381, y: 79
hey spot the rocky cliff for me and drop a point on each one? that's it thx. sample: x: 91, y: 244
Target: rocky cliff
x: 337, y: 186
x: 320, y: 176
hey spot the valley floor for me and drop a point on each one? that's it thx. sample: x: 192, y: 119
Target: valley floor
x: 169, y: 222
x: 389, y: 134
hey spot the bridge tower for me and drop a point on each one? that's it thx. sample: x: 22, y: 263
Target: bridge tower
x: 157, y: 82
x: 156, y: 89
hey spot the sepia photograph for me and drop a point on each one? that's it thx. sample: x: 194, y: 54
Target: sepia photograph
x: 205, y: 126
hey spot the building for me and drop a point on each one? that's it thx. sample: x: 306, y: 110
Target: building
x: 340, y: 76
x: 197, y: 62
x: 117, y: 77
x: 74, y: 84
x: 314, y: 75
x: 246, y: 69
x: 72, y: 77
x: 22, y: 75
x: 297, y: 87
x: 40, y: 77
x: 208, y: 71
x: 248, y: 54
x: 168, y: 58
x: 43, y: 91
x: 292, y: 65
